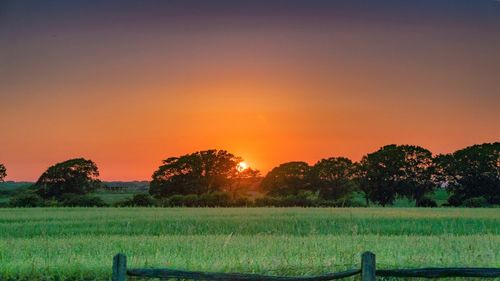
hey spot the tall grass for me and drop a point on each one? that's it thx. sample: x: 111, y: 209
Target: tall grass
x: 78, y: 244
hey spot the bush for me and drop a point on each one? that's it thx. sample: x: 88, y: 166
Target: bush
x: 138, y: 200
x: 266, y: 202
x: 242, y: 202
x: 163, y: 202
x: 296, y: 201
x: 286, y: 201
x: 455, y: 201
x: 207, y: 200
x: 51, y: 203
x: 215, y: 199
x: 476, y: 202
x: 26, y: 200
x: 305, y: 199
x: 190, y: 200
x: 175, y: 200
x: 426, y: 202
x: 350, y: 204
x: 76, y: 200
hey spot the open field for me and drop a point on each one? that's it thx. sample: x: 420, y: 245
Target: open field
x: 77, y: 243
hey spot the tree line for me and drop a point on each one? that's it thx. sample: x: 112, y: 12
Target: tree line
x: 212, y: 178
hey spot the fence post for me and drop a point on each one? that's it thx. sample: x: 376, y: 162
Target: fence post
x: 119, y: 268
x: 368, y: 267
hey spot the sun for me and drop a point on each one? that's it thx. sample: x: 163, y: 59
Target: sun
x: 241, y: 166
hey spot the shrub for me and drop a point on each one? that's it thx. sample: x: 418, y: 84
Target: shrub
x: 138, y: 200
x: 426, y: 202
x: 215, y: 199
x: 163, y: 202
x: 305, y: 199
x: 190, y: 200
x: 300, y: 200
x: 207, y: 200
x: 476, y: 202
x: 295, y: 200
x: 176, y: 200
x: 455, y: 201
x: 242, y: 202
x: 266, y: 202
x: 51, y: 203
x: 143, y: 199
x: 27, y: 199
x: 353, y: 203
x: 75, y: 200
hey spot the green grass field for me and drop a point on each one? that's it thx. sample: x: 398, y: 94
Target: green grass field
x: 78, y: 244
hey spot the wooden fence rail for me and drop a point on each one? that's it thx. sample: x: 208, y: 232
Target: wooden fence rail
x: 368, y: 272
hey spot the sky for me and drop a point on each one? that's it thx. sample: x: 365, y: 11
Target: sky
x: 130, y: 83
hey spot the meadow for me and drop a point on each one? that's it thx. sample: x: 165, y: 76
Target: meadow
x: 79, y: 243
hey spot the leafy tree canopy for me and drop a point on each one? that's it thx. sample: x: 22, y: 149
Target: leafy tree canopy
x: 75, y: 176
x: 3, y: 172
x: 472, y: 172
x: 404, y: 170
x: 333, y: 177
x: 287, y: 179
x: 197, y: 173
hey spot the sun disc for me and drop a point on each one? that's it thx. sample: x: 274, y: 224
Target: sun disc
x: 241, y: 166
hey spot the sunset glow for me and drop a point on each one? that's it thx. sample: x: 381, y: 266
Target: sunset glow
x: 242, y: 166
x: 131, y: 83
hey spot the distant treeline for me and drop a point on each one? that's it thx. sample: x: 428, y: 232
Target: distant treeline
x: 126, y: 185
x: 213, y: 178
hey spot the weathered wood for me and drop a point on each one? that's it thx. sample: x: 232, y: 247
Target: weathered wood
x: 368, y: 273
x: 440, y: 272
x: 119, y: 268
x: 197, y: 275
x: 368, y: 266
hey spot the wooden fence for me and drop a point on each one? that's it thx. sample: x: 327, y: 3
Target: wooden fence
x: 368, y: 272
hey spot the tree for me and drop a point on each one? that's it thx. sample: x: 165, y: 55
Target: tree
x: 3, y: 172
x: 333, y: 177
x: 287, y: 179
x: 76, y: 176
x: 393, y: 170
x: 197, y: 173
x: 472, y: 172
x: 242, y: 181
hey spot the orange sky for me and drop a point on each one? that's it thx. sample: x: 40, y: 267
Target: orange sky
x: 127, y: 91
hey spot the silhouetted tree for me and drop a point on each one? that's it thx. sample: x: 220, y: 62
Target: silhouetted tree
x: 197, y: 173
x: 75, y: 176
x: 393, y: 170
x: 333, y: 177
x: 242, y: 181
x: 287, y: 179
x: 3, y: 172
x: 472, y: 172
